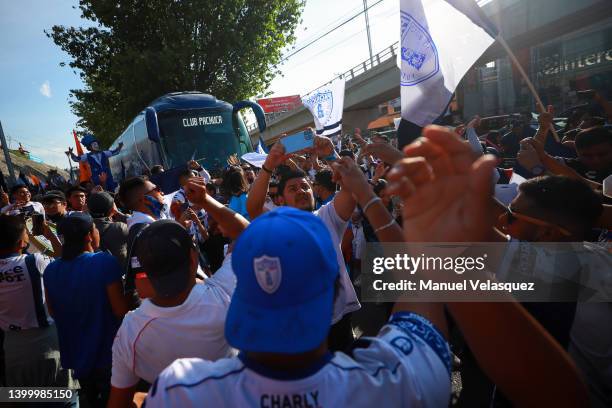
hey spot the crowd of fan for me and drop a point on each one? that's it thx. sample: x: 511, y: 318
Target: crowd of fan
x: 241, y: 290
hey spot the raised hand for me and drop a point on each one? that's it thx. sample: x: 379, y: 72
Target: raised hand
x: 323, y: 146
x: 351, y: 178
x: 446, y: 191
x: 195, y: 190
x: 358, y: 138
x: 546, y: 117
x: 276, y: 157
x: 384, y: 152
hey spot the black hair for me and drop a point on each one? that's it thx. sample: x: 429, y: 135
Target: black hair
x: 184, y: 173
x: 12, y: 227
x: 158, y: 168
x: 593, y: 136
x: 72, y: 189
x: 211, y: 186
x: 347, y: 153
x: 324, y: 179
x: 17, y: 187
x: 73, y: 248
x: 565, y: 199
x: 380, y: 185
x: 234, y: 181
x: 289, y: 175
x: 127, y: 189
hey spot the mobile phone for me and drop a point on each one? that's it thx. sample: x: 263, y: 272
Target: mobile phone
x: 298, y: 141
x: 184, y: 206
x: 37, y: 224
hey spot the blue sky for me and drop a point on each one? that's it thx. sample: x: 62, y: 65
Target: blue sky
x: 34, y: 105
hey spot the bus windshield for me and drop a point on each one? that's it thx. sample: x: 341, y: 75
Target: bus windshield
x: 208, y: 136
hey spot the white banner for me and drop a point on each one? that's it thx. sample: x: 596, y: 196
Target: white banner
x: 326, y: 105
x: 438, y: 45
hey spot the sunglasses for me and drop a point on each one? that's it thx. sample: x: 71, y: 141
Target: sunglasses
x: 512, y: 216
x: 156, y: 188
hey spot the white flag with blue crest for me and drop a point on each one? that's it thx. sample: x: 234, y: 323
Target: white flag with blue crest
x: 440, y: 41
x: 326, y: 105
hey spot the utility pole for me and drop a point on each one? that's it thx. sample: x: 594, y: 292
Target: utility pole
x: 365, y: 11
x: 7, y: 157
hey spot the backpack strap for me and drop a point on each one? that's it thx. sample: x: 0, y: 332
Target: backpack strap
x: 37, y: 290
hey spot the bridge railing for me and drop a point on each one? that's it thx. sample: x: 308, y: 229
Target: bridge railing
x: 359, y: 69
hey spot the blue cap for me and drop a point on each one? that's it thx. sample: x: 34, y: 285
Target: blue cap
x: 286, y: 268
x: 88, y: 139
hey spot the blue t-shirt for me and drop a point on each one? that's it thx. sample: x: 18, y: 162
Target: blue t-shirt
x: 85, y: 322
x: 238, y: 204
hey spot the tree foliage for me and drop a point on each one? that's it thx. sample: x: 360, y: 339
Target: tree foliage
x: 138, y: 50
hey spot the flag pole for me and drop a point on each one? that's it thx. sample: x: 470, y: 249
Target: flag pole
x: 518, y: 66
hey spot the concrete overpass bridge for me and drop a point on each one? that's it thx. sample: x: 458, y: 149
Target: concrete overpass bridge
x: 367, y: 85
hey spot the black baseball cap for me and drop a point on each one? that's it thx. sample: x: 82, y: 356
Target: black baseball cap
x: 53, y: 195
x: 75, y: 226
x: 163, y: 250
x: 72, y: 189
x: 100, y: 204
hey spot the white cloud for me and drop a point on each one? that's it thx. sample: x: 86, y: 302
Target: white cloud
x: 45, y: 89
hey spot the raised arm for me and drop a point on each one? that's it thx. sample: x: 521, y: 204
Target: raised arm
x: 231, y: 223
x: 455, y: 205
x: 117, y: 150
x: 552, y: 164
x: 257, y: 194
x: 354, y: 183
x: 344, y: 203
x: 74, y: 157
x: 544, y: 124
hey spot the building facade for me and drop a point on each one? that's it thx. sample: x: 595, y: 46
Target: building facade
x: 564, y: 45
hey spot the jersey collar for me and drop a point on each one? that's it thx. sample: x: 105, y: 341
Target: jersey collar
x: 285, y: 375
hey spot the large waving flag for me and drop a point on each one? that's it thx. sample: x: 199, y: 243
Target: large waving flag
x: 326, y: 105
x: 440, y: 41
x: 84, y: 169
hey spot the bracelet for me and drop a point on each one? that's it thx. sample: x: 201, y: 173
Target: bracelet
x: 390, y: 223
x: 265, y: 169
x: 369, y: 203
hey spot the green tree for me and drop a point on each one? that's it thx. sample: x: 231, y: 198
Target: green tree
x: 138, y: 50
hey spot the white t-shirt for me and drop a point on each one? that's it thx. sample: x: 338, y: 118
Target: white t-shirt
x: 10, y: 209
x: 22, y: 294
x: 591, y: 335
x: 138, y: 217
x: 152, y: 337
x: 407, y: 365
x: 346, y: 300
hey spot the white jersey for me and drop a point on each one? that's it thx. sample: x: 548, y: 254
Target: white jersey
x: 407, y: 365
x: 12, y: 209
x: 22, y: 296
x: 346, y: 300
x: 152, y: 337
x: 138, y: 217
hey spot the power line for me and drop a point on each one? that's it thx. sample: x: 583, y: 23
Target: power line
x: 329, y: 32
x: 319, y: 30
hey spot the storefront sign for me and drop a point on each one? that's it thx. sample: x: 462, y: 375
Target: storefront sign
x: 552, y: 65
